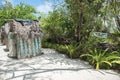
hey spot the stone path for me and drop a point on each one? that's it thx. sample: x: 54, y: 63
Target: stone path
x: 50, y: 66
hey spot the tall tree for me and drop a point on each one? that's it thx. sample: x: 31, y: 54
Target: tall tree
x: 82, y: 13
x: 92, y: 15
x: 56, y: 23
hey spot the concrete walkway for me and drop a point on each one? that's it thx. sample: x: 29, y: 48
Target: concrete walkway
x: 50, y: 66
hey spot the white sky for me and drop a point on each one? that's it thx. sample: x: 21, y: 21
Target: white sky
x: 45, y: 7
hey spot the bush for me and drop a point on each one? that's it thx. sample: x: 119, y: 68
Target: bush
x: 100, y: 58
x: 71, y: 50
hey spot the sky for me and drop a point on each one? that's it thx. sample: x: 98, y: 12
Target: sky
x: 40, y: 5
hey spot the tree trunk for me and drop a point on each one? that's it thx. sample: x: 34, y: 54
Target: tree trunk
x: 79, y: 24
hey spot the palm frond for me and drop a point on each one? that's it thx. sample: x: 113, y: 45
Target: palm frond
x: 107, y: 62
x: 116, y: 61
x: 112, y: 57
x: 86, y: 55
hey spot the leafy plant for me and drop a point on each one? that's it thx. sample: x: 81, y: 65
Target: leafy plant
x: 73, y: 50
x: 70, y: 49
x: 22, y: 11
x: 99, y: 57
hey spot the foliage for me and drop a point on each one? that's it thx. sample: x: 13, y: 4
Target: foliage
x: 56, y: 24
x: 77, y: 20
x: 70, y: 50
x: 116, y: 61
x: 92, y: 15
x: 98, y: 58
x: 22, y: 11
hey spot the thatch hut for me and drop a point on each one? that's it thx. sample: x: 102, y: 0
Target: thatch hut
x: 24, y: 38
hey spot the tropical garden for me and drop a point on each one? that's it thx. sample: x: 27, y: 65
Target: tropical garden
x: 72, y: 26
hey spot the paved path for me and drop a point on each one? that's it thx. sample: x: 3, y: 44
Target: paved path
x: 50, y: 66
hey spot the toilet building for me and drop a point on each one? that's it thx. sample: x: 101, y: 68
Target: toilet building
x: 24, y: 38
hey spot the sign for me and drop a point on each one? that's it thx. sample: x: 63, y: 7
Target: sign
x: 100, y: 34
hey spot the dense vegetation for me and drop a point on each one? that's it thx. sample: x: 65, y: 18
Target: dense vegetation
x: 69, y: 29
x: 23, y: 11
x: 70, y: 26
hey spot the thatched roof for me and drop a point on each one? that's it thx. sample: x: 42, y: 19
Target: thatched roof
x: 25, y: 29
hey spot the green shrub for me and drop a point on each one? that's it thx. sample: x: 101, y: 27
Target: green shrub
x: 98, y: 58
x: 70, y: 50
